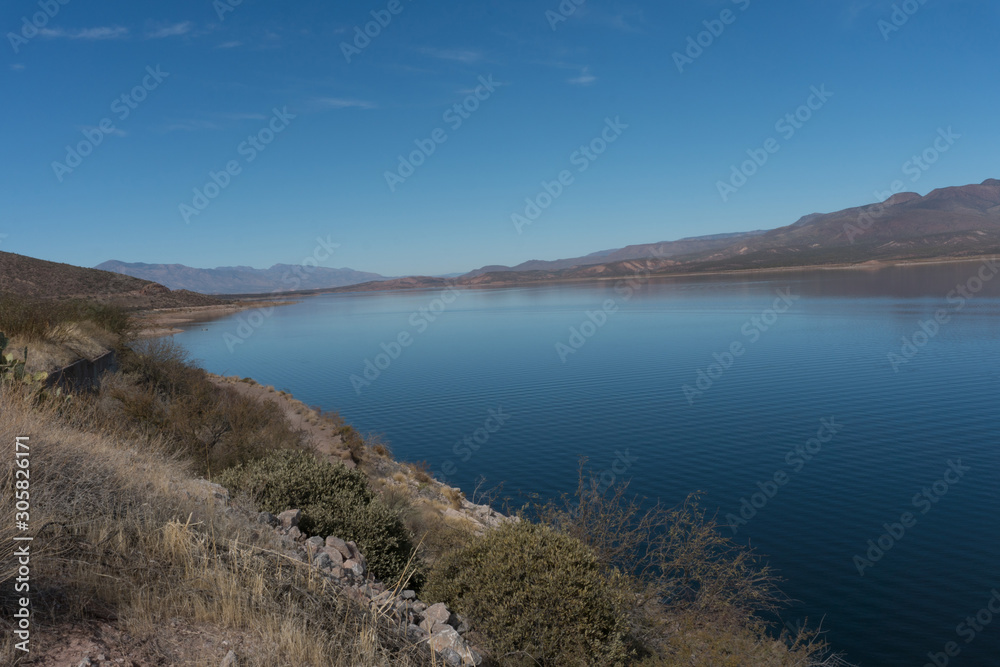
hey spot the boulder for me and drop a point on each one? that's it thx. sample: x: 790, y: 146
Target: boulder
x: 448, y: 639
x: 334, y: 554
x: 340, y: 545
x: 438, y: 613
x: 290, y: 518
x: 355, y: 567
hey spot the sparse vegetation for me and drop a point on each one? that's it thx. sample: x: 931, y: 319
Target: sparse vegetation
x: 120, y: 545
x: 159, y: 393
x: 34, y: 320
x: 333, y: 500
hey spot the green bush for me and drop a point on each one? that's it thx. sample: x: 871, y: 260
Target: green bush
x: 536, y: 595
x: 333, y: 500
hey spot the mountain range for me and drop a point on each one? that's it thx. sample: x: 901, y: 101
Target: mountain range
x: 41, y: 279
x: 241, y: 279
x: 953, y: 222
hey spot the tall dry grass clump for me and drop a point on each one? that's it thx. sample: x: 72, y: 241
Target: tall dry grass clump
x: 125, y: 534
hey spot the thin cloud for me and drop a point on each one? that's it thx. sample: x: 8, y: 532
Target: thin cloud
x: 466, y: 56
x: 229, y: 45
x: 585, y: 78
x: 174, y: 30
x: 17, y: 67
x: 104, y: 32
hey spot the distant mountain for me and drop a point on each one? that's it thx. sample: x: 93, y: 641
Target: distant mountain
x: 950, y: 222
x: 947, y: 222
x: 663, y: 249
x: 242, y: 279
x: 40, y: 279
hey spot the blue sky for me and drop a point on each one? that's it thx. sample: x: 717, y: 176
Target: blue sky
x: 226, y: 69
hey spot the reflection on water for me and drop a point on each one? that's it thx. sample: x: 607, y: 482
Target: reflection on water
x: 439, y: 374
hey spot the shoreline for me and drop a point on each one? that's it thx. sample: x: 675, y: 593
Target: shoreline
x: 868, y: 265
x: 164, y: 321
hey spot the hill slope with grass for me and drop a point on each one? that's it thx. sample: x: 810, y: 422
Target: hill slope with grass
x: 40, y: 279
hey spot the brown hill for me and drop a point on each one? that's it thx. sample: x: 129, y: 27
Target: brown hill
x: 40, y: 279
x: 949, y: 222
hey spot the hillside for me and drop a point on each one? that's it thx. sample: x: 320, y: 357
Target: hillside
x: 241, y: 279
x: 41, y: 279
x: 953, y: 222
x: 662, y: 249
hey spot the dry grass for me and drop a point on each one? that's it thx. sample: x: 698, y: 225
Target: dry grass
x: 454, y: 496
x: 129, y: 538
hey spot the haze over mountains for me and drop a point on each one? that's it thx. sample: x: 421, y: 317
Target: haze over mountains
x: 241, y: 279
x: 947, y: 222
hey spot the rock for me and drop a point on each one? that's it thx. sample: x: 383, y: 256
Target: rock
x: 294, y: 533
x: 314, y: 544
x: 355, y: 552
x: 340, y: 545
x: 450, y: 656
x: 447, y: 638
x: 355, y: 567
x: 460, y: 623
x: 334, y: 554
x: 452, y: 513
x: 419, y: 607
x: 415, y: 633
x: 268, y: 519
x: 436, y: 627
x: 438, y: 613
x: 408, y: 595
x: 337, y: 572
x: 85, y: 662
x: 229, y: 660
x: 290, y: 518
x: 323, y: 561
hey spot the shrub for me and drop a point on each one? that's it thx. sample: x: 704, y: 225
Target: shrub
x: 535, y: 594
x: 159, y: 392
x: 34, y: 319
x: 333, y: 500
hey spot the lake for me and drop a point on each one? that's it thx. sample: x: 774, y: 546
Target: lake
x: 870, y: 482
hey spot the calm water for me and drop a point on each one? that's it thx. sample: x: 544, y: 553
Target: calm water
x: 619, y: 399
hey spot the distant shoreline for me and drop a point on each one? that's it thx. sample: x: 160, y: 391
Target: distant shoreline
x: 164, y: 321
x: 870, y: 265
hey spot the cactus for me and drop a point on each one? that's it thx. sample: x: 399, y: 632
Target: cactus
x: 12, y: 368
